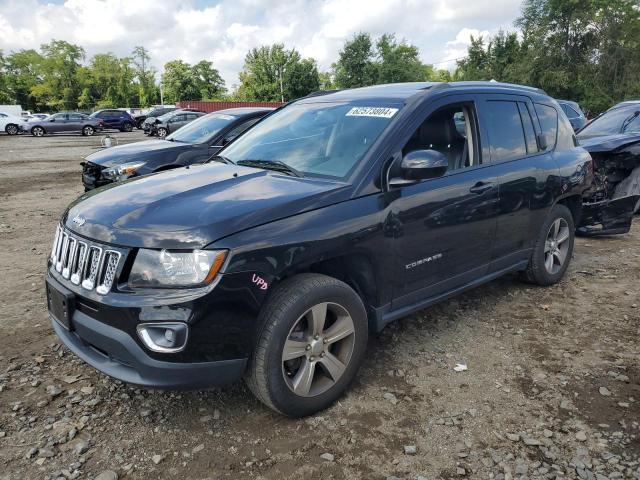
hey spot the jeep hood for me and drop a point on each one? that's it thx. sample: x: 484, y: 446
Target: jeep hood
x: 110, y: 157
x: 194, y: 206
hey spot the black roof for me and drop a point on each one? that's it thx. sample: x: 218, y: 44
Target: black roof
x: 399, y: 92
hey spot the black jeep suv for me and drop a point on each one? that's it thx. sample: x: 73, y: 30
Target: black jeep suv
x: 328, y: 219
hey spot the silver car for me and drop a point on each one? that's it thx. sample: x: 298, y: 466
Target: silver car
x: 67, y: 122
x: 172, y: 121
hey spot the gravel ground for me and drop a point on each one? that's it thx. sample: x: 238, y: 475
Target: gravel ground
x: 551, y: 390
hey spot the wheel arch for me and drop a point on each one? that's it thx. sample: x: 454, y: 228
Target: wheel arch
x: 44, y: 130
x: 574, y: 204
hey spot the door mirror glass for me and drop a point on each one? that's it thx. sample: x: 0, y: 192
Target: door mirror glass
x: 423, y: 164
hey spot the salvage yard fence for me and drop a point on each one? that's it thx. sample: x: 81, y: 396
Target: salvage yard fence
x: 209, y: 107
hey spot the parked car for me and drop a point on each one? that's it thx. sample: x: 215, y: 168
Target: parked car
x: 64, y: 122
x: 34, y: 117
x: 574, y: 113
x: 115, y: 119
x: 149, y: 124
x: 613, y: 140
x: 172, y: 121
x: 194, y: 143
x: 156, y: 112
x: 11, y: 124
x: 330, y: 218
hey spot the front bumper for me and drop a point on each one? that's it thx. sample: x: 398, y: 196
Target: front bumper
x: 115, y: 353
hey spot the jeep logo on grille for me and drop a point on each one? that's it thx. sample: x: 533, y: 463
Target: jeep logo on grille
x: 79, y: 220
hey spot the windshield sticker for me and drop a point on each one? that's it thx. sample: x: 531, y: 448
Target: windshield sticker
x: 224, y: 116
x: 379, y: 112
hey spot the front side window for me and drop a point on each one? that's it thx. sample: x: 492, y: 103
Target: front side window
x: 450, y: 131
x: 324, y: 139
x: 202, y: 129
x: 506, y: 132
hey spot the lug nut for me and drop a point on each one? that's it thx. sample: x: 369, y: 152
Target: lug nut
x: 311, y: 358
x: 321, y: 354
x: 316, y: 337
x: 308, y: 347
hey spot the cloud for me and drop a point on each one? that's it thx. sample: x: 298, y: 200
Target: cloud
x: 224, y: 31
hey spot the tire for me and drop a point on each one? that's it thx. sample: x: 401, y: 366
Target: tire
x: 288, y: 314
x: 37, y: 131
x: 12, y: 129
x: 126, y: 127
x: 88, y: 130
x: 546, y: 267
x: 162, y: 132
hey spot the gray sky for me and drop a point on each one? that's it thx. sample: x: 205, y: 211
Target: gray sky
x: 224, y: 31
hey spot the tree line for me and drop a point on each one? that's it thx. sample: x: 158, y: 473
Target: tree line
x: 583, y: 50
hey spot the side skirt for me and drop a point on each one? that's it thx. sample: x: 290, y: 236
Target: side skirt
x: 383, y: 316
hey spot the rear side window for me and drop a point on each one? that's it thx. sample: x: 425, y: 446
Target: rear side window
x: 506, y: 133
x: 548, y: 117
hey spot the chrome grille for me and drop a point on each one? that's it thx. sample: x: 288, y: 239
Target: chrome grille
x: 83, y: 263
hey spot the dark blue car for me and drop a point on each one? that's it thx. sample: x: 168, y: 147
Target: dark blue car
x: 115, y: 119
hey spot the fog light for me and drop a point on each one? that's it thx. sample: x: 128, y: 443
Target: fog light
x: 164, y: 337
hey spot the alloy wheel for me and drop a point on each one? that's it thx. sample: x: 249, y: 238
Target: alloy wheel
x: 12, y: 129
x: 162, y: 132
x: 318, y: 349
x: 88, y: 131
x: 556, y: 246
x: 37, y: 132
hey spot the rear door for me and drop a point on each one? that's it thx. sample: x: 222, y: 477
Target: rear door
x: 444, y: 227
x: 526, y: 174
x: 74, y: 123
x: 176, y: 122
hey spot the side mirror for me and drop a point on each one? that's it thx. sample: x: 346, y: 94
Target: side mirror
x: 542, y: 141
x: 421, y: 165
x: 52, y: 119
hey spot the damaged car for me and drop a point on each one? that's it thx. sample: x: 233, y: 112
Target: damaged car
x: 613, y: 140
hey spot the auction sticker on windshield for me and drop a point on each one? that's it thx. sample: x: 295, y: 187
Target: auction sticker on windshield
x: 380, y: 112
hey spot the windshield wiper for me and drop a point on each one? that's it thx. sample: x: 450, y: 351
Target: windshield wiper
x: 221, y: 159
x: 276, y: 165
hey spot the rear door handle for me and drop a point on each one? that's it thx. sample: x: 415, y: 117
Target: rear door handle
x: 481, y: 187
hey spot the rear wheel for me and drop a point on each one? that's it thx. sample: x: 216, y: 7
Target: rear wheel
x: 37, y: 131
x: 553, y: 249
x: 312, y: 342
x: 126, y: 127
x: 88, y: 130
x: 12, y: 129
x: 162, y: 132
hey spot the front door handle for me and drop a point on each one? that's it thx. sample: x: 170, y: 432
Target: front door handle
x: 481, y: 187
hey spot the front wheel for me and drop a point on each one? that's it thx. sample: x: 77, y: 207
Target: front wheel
x: 162, y: 132
x: 310, y: 346
x: 553, y: 248
x: 37, y: 131
x: 12, y: 129
x: 88, y: 130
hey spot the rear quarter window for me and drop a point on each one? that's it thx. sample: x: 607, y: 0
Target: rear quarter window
x: 548, y: 117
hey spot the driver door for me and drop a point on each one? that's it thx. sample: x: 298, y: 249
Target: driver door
x: 444, y: 227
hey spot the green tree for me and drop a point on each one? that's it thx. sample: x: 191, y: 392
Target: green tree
x: 145, y: 77
x: 23, y: 72
x: 272, y: 73
x: 59, y: 69
x: 207, y: 80
x: 356, y: 63
x: 399, y: 62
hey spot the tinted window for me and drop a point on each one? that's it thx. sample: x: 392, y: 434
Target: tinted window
x: 548, y: 117
x: 506, y: 134
x: 76, y: 117
x: 450, y: 131
x: 238, y: 129
x: 529, y: 132
x: 571, y: 113
x: 321, y: 138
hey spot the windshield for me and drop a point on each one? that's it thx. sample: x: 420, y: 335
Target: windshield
x: 611, y: 123
x: 202, y: 129
x: 326, y: 139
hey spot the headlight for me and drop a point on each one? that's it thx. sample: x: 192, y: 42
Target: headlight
x: 163, y: 268
x: 122, y: 171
